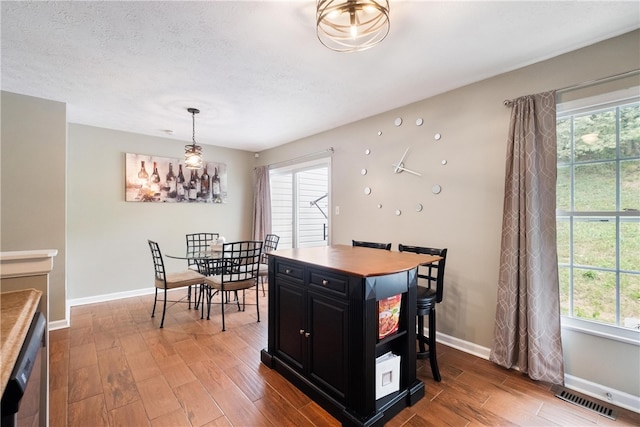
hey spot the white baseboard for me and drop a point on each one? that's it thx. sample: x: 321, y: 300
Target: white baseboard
x: 603, y: 393
x: 59, y: 324
x: 65, y: 323
x: 598, y: 391
x: 462, y: 345
x: 109, y: 297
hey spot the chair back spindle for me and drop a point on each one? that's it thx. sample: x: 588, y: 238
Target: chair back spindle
x: 375, y: 245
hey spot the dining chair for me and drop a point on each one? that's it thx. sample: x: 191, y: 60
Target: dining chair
x: 198, y: 242
x: 238, y: 270
x: 428, y: 296
x: 166, y: 281
x: 375, y: 245
x: 270, y: 244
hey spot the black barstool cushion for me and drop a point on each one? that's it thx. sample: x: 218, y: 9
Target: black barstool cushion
x: 425, y: 300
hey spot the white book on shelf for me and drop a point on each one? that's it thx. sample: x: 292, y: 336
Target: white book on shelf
x: 387, y: 374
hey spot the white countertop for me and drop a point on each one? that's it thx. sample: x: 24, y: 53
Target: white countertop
x: 26, y: 263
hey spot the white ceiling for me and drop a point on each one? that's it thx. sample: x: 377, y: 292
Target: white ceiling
x: 256, y: 69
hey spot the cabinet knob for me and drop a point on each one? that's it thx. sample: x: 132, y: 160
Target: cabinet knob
x: 325, y: 282
x: 287, y: 271
x: 307, y: 334
x: 301, y: 331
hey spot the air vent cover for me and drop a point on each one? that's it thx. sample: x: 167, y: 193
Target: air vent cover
x: 587, y: 403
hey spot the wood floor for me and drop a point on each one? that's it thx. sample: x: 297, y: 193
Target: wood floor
x: 115, y: 367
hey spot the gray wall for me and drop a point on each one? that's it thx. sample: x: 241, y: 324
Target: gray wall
x: 33, y: 189
x: 107, y: 237
x: 466, y: 216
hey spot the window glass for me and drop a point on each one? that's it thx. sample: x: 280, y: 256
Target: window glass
x: 563, y: 188
x: 594, y: 136
x: 563, y: 140
x: 595, y: 187
x: 630, y: 245
x: 629, y: 297
x: 565, y: 290
x: 564, y: 239
x: 598, y: 205
x: 630, y: 185
x: 594, y: 242
x: 594, y: 295
x: 630, y: 131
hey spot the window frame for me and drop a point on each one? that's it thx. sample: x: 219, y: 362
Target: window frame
x: 294, y: 169
x: 570, y: 110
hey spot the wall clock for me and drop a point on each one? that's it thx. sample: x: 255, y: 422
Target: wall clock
x: 400, y: 167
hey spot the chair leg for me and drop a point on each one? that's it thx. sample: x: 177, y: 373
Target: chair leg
x: 196, y: 295
x: 203, y: 289
x: 258, y: 305
x: 189, y: 298
x: 164, y: 308
x: 222, y: 306
x: 262, y: 282
x: 432, y: 345
x: 422, y: 353
x: 153, y: 312
x: 210, y: 294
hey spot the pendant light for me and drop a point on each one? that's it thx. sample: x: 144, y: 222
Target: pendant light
x: 352, y: 25
x: 193, y: 152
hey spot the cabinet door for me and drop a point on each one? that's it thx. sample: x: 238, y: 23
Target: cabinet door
x: 328, y: 355
x: 290, y: 319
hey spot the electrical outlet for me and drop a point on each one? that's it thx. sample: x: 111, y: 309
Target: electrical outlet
x: 609, y: 396
x: 337, y: 210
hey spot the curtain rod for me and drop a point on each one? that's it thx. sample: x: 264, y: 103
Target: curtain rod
x: 284, y: 162
x: 507, y: 102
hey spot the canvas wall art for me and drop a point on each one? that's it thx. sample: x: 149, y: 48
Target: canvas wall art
x: 167, y: 180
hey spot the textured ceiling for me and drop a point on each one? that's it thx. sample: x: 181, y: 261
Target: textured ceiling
x: 256, y: 69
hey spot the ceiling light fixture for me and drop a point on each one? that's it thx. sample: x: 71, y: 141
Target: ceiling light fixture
x: 193, y: 152
x: 352, y: 25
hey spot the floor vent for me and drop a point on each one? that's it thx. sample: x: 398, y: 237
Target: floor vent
x: 586, y: 403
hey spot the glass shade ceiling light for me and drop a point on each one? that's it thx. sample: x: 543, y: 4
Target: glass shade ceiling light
x: 352, y: 25
x: 193, y: 152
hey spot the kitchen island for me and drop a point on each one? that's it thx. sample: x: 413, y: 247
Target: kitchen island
x: 324, y: 332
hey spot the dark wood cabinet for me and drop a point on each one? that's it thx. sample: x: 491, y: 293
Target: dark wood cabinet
x: 323, y: 327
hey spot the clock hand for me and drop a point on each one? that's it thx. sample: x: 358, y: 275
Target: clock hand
x: 401, y: 160
x: 407, y: 170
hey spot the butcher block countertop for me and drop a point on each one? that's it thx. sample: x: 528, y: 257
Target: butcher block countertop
x: 17, y: 309
x: 356, y: 260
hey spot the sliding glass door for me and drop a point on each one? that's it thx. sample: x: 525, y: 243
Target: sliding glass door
x: 300, y: 204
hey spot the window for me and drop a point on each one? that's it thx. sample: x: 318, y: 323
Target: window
x: 300, y: 204
x: 598, y: 209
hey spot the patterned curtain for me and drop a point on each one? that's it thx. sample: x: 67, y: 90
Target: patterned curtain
x: 527, y: 329
x: 261, y: 203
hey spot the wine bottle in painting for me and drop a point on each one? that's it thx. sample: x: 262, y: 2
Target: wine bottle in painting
x: 197, y: 179
x: 170, y: 183
x: 180, y: 181
x: 215, y: 187
x: 155, y: 181
x: 205, y: 185
x: 193, y: 186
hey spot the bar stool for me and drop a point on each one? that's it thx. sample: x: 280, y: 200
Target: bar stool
x: 375, y: 245
x: 427, y: 298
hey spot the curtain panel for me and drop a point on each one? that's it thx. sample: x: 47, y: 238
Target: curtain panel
x: 527, y: 326
x: 261, y: 203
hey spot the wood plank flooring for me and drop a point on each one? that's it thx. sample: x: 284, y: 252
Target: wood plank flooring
x: 115, y: 367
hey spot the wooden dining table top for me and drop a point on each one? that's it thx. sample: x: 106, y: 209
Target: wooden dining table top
x: 356, y: 260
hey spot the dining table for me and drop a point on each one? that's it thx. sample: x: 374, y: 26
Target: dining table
x: 206, y: 259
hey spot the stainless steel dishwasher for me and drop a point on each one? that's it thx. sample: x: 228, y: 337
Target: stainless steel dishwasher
x: 21, y: 398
